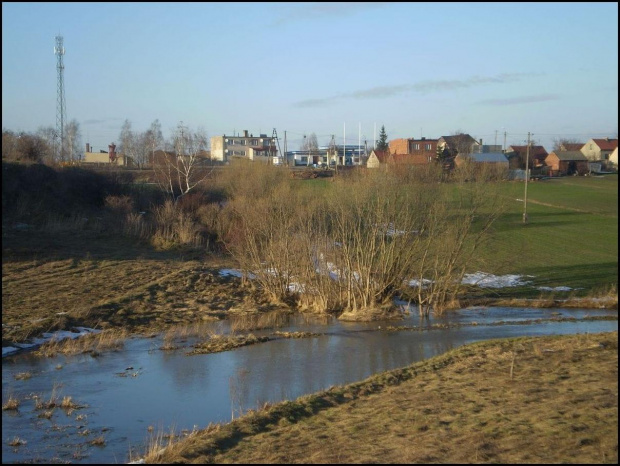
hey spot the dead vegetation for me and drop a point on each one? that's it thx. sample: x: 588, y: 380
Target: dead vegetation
x: 219, y: 343
x: 93, y: 343
x: 348, y: 251
x: 11, y: 404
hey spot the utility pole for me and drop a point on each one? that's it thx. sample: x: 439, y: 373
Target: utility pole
x: 527, y: 176
x: 504, y: 150
x: 333, y: 150
x: 272, y: 146
x: 495, y: 139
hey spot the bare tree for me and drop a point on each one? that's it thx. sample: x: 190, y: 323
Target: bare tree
x: 559, y: 142
x: 311, y: 145
x: 153, y: 139
x: 48, y: 134
x: 129, y: 141
x: 178, y: 169
x: 72, y: 141
x: 23, y: 147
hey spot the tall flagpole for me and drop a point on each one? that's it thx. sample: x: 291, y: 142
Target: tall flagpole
x: 375, y: 137
x: 359, y: 142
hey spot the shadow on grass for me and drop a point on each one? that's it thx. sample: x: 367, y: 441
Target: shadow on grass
x: 509, y: 222
x: 20, y: 246
x: 589, y: 277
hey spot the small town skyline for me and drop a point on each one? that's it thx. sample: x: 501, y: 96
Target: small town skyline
x: 419, y: 69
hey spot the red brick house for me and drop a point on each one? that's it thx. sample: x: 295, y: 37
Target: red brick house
x: 414, y: 151
x: 567, y: 163
x: 517, y: 154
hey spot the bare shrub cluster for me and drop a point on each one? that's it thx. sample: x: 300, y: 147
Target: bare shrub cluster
x: 353, y: 249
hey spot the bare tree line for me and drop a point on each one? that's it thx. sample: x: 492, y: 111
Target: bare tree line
x: 43, y: 146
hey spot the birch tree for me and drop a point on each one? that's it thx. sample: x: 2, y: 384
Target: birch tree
x: 178, y: 170
x: 72, y: 141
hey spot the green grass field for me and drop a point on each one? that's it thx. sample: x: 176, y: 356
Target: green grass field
x: 570, y: 239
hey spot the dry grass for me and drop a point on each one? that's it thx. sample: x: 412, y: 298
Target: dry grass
x: 181, y: 333
x: 93, y: 343
x: 11, y: 404
x: 296, y: 334
x: 159, y: 442
x: 99, y: 441
x: 221, y: 343
x: 523, y: 400
x: 53, y: 399
x: 22, y: 376
x: 107, y: 284
x: 46, y: 414
x: 16, y: 442
x: 603, y: 298
x: 257, y: 321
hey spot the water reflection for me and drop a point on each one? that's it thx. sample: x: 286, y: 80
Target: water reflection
x: 173, y: 390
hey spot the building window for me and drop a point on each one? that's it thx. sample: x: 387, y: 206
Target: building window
x: 427, y: 146
x: 416, y: 146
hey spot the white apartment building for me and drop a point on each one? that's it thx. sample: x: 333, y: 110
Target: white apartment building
x: 258, y: 148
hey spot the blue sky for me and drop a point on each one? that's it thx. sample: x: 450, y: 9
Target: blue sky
x: 420, y: 69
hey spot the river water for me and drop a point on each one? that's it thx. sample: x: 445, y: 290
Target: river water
x: 129, y: 395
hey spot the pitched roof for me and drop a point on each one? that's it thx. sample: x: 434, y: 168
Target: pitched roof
x: 486, y: 157
x: 535, y: 151
x: 567, y: 155
x: 456, y: 138
x: 572, y: 146
x: 382, y: 155
x: 606, y: 144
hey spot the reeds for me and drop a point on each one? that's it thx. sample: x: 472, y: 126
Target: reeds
x: 16, y: 442
x: 94, y: 343
x: 182, y: 333
x: 11, y: 404
x: 258, y: 321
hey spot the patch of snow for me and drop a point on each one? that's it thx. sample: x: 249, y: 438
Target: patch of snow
x: 424, y: 282
x: 56, y: 336
x: 487, y: 280
x: 235, y: 273
x: 296, y: 288
x: 557, y: 288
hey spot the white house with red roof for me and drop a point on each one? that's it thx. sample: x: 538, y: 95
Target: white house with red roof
x: 599, y: 149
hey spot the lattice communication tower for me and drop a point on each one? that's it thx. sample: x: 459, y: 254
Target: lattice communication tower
x: 61, y: 106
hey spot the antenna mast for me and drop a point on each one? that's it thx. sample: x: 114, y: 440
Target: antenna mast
x: 61, y: 106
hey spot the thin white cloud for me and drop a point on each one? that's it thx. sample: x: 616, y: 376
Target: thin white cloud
x: 530, y: 99
x: 438, y: 85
